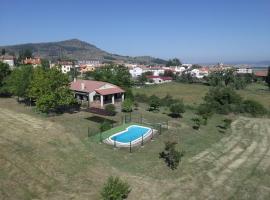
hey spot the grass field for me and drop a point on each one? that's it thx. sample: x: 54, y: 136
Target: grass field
x: 193, y: 93
x: 52, y: 158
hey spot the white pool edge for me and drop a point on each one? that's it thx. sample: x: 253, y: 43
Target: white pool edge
x: 136, y: 142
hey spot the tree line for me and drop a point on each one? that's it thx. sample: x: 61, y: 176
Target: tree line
x: 46, y: 88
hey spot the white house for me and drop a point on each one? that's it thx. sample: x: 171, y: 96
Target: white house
x: 159, y: 79
x: 65, y: 66
x: 8, y: 60
x: 155, y: 70
x: 199, y: 73
x: 244, y: 70
x: 136, y: 71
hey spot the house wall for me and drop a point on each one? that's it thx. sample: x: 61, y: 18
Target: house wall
x: 65, y: 68
x: 9, y: 62
x: 136, y: 71
x: 91, y: 96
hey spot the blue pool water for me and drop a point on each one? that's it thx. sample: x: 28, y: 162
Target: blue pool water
x: 132, y: 133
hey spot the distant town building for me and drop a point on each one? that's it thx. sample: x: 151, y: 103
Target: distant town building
x: 200, y: 73
x: 88, y: 65
x: 186, y: 65
x: 262, y: 74
x: 244, y: 70
x: 136, y: 71
x: 156, y: 70
x: 8, y: 60
x: 32, y: 61
x: 65, y: 66
x: 158, y: 79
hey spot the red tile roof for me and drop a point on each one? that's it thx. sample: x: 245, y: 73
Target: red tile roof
x: 261, y: 73
x: 90, y: 86
x: 109, y: 91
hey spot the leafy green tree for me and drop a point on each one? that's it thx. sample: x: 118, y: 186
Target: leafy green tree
x: 19, y: 81
x: 173, y: 62
x: 253, y: 107
x: 115, y: 74
x: 169, y: 73
x: 3, y: 52
x: 115, y: 189
x: 50, y: 89
x: 142, y: 79
x: 154, y: 103
x: 177, y: 109
x: 4, y: 73
x: 197, y: 123
x: 45, y: 63
x: 222, y: 99
x: 171, y: 156
x: 268, y: 77
x: 215, y: 78
x: 127, y: 105
x: 185, y: 78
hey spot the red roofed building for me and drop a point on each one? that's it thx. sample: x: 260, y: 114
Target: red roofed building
x: 159, y: 79
x: 261, y: 74
x: 97, y: 93
x: 32, y: 61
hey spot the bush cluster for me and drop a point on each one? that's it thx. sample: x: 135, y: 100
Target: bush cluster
x: 115, y: 189
x: 171, y: 156
x: 224, y: 100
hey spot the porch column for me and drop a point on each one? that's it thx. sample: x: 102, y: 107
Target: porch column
x: 101, y: 101
x: 113, y: 99
x: 123, y: 97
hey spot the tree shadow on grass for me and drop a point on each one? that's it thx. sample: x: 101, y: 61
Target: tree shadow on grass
x: 99, y: 119
x: 175, y: 115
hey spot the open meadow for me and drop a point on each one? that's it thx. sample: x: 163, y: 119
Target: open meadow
x: 193, y: 94
x: 52, y: 158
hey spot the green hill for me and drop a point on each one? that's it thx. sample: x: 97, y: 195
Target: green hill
x: 78, y: 50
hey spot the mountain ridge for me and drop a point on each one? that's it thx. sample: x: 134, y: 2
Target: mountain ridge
x: 76, y: 49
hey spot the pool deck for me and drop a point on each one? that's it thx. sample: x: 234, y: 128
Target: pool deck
x: 108, y: 134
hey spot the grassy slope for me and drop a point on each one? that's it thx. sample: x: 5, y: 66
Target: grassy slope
x: 52, y: 158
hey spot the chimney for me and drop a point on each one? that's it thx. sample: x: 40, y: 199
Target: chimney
x: 82, y: 86
x: 74, y: 80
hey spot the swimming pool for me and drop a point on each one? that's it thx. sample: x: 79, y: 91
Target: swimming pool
x: 133, y: 135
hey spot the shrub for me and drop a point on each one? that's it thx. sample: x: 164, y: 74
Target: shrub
x: 115, y: 189
x: 127, y: 105
x: 171, y: 156
x: 227, y: 123
x: 141, y: 98
x: 154, y: 103
x: 222, y: 99
x: 197, y: 123
x: 177, y: 108
x: 110, y: 108
x: 253, y: 107
x: 168, y: 100
x: 104, y: 126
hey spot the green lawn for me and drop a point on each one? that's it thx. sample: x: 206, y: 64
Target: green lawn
x: 192, y: 94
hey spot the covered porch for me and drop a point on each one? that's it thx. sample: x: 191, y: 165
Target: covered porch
x: 100, y: 100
